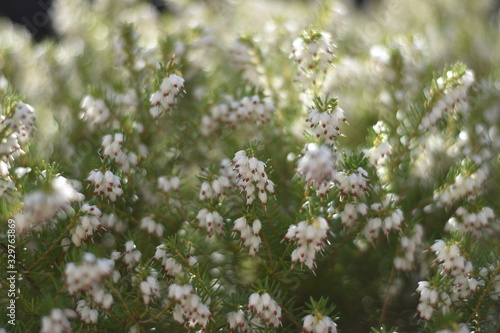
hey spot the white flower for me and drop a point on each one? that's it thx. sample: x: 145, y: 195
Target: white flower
x: 451, y: 262
x: 57, y: 321
x: 95, y: 110
x: 409, y: 248
x: 313, y: 52
x: 267, y: 310
x: 112, y: 147
x: 252, y: 177
x: 132, y: 256
x: 106, y: 184
x: 232, y: 113
x: 354, y: 184
x: 152, y: 227
x: 22, y: 121
x: 464, y: 185
x: 168, y: 184
x: 86, y: 313
x: 350, y: 213
x: 318, y: 324
x: 469, y: 222
x: 87, y: 277
x: 317, y: 166
x: 389, y: 218
x: 237, y: 322
x: 149, y: 288
x: 189, y: 307
x: 454, y: 91
x: 165, y: 98
x: 310, y: 237
x: 249, y: 234
x: 40, y: 206
x: 212, y: 221
x: 89, y: 223
x: 171, y: 267
x: 326, y: 123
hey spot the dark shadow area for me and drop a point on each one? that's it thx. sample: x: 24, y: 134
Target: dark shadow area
x: 35, y: 15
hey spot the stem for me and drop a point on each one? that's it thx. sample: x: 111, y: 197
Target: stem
x: 156, y: 316
x: 120, y: 298
x: 484, y: 294
x: 57, y: 242
x: 268, y: 247
x: 292, y: 317
x: 387, y: 297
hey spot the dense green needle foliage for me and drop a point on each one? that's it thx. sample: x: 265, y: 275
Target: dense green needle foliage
x: 251, y: 166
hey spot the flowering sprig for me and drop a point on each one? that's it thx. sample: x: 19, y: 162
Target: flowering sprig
x: 266, y: 309
x: 233, y: 113
x: 106, y: 184
x: 249, y: 234
x: 324, y: 119
x: 318, y: 167
x: 310, y: 236
x: 318, y: 320
x: 252, y: 177
x: 165, y: 98
x: 112, y: 147
x: 313, y: 51
x: 189, y: 308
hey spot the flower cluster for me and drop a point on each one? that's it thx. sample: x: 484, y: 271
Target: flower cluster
x: 89, y: 223
x: 151, y: 227
x: 313, y: 51
x: 354, y: 184
x: 237, y: 322
x: 252, y: 177
x: 57, y: 321
x: 310, y: 237
x: 165, y: 98
x: 489, y: 273
x: 409, y: 248
x: 171, y: 267
x: 325, y: 122
x: 41, y: 207
x: 349, y: 215
x: 112, y: 147
x: 381, y: 149
x: 166, y: 184
x: 456, y: 266
x: 88, y: 278
x: 453, y: 89
x: 95, y: 110
x: 266, y: 308
x: 431, y: 299
x: 111, y: 221
x: 317, y: 166
x: 390, y: 218
x: 473, y: 223
x: 249, y: 234
x: 22, y: 122
x: 212, y: 221
x: 149, y: 288
x: 464, y: 185
x: 189, y: 307
x: 318, y: 324
x: 249, y: 110
x: 131, y: 256
x: 87, y: 314
x: 106, y: 184
x: 214, y: 188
